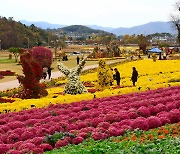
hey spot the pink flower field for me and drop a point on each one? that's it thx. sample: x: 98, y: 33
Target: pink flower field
x: 25, y: 131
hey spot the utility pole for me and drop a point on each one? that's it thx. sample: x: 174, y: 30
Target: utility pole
x: 0, y: 44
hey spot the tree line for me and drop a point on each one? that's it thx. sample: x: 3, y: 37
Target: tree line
x: 16, y: 34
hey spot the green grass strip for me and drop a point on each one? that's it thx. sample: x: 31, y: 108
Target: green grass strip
x: 167, y: 145
x: 164, y: 146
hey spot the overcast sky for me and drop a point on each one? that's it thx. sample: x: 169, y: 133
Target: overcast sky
x: 109, y: 13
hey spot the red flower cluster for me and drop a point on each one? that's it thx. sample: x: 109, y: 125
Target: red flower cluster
x: 88, y: 84
x: 92, y: 90
x: 32, y: 75
x: 3, y: 100
x: 6, y: 73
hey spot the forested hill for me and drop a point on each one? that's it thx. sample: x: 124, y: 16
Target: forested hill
x: 79, y: 29
x: 16, y: 34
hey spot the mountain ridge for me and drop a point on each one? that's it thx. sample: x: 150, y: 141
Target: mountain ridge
x: 146, y: 29
x: 79, y: 30
x: 42, y: 24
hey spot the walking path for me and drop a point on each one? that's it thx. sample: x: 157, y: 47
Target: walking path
x: 15, y: 83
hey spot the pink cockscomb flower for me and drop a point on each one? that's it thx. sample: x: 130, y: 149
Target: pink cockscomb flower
x: 126, y: 127
x: 154, y: 122
x: 96, y: 121
x: 42, y: 132
x: 3, y: 148
x: 17, y: 124
x: 77, y: 140
x: 125, y: 122
x: 2, y: 122
x: 83, y: 116
x: 165, y: 120
x: 29, y: 146
x: 19, y: 131
x: 37, y: 150
x: 83, y: 135
x: 143, y: 111
x: 174, y: 115
x: 104, y: 125
x: 37, y: 140
x: 132, y: 115
x: 81, y: 125
x: 161, y: 107
x: 31, y: 122
x: 27, y: 135
x: 13, y: 138
x: 97, y: 135
x: 71, y: 127
x: 112, y: 131
x: 140, y: 123
x: 153, y: 110
x: 3, y: 138
x: 61, y: 143
x: 45, y: 147
x: 17, y: 144
x: 5, y: 128
x: 171, y: 105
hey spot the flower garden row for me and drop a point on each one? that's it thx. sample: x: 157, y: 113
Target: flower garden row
x: 150, y: 78
x: 165, y: 139
x: 55, y: 97
x: 99, y: 119
x: 6, y: 73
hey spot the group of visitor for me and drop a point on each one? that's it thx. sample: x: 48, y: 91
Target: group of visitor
x: 134, y: 76
x: 47, y: 71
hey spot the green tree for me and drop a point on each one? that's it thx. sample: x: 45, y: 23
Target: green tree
x: 15, y: 52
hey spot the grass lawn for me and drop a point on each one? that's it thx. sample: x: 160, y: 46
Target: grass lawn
x: 18, y: 69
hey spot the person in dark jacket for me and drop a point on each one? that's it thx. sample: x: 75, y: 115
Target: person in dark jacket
x: 45, y: 72
x: 134, y: 76
x: 49, y: 71
x: 77, y: 60
x: 117, y: 76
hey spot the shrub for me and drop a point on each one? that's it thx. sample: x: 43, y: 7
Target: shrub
x: 32, y: 74
x: 105, y: 75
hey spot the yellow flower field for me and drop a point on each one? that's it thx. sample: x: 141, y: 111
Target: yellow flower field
x: 152, y: 75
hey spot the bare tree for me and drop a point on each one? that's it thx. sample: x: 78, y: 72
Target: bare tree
x: 175, y: 19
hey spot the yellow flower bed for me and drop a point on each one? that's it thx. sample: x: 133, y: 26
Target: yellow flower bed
x: 149, y: 72
x: 152, y: 75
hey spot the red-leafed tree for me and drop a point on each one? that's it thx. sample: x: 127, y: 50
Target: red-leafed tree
x: 32, y: 70
x: 43, y: 56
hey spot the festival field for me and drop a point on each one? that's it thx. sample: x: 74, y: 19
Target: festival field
x: 122, y: 119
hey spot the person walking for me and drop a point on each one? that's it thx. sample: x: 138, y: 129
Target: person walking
x: 117, y: 76
x: 49, y: 71
x: 77, y: 60
x: 44, y: 72
x: 134, y: 76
